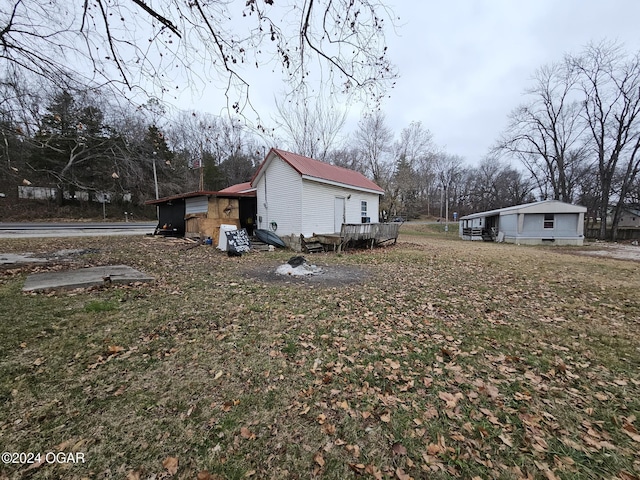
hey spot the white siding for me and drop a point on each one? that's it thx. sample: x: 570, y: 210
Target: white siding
x: 279, y: 193
x: 318, y: 204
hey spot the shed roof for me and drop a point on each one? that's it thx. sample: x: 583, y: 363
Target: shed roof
x: 199, y: 193
x: 316, y: 170
x: 544, y: 206
x: 244, y: 187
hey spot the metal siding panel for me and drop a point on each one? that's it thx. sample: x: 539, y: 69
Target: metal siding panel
x: 196, y: 205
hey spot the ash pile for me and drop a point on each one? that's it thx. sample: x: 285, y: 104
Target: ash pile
x: 298, y: 266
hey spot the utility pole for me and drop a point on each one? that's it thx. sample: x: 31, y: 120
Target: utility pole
x: 155, y: 175
x: 446, y: 199
x: 155, y: 180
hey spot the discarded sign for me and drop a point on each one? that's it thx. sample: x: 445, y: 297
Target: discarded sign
x: 237, y: 242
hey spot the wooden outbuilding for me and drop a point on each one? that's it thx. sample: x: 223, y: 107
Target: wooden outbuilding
x: 298, y: 195
x: 200, y: 214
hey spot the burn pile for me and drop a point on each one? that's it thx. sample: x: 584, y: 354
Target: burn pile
x: 298, y: 266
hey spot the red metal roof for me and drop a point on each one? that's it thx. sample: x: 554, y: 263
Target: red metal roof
x: 238, y: 188
x: 309, y: 167
x: 200, y: 193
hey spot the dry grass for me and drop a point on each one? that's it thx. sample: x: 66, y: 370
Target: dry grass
x: 448, y: 359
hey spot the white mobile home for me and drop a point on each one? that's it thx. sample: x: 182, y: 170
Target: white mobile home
x: 549, y: 221
x: 299, y: 195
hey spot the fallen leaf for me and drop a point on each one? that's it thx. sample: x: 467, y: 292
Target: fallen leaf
x: 627, y: 476
x: 505, y: 439
x: 374, y: 471
x: 450, y: 399
x: 171, y: 465
x: 353, y: 449
x: 318, y: 458
x: 329, y: 429
x: 398, y: 449
x: 135, y: 475
x: 386, y: 417
x: 631, y: 431
x: 401, y: 475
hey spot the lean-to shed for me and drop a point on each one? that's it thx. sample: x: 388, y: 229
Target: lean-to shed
x: 200, y: 214
x: 548, y: 221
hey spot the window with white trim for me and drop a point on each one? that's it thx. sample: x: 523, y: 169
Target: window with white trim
x: 363, y: 212
x: 549, y: 220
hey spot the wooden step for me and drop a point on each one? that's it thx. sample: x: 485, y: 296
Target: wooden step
x: 313, y: 247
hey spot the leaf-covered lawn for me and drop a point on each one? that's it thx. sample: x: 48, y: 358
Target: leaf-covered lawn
x: 449, y: 359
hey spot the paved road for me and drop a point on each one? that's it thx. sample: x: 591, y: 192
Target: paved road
x: 74, y: 229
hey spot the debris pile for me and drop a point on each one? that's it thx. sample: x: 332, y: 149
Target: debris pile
x: 299, y: 267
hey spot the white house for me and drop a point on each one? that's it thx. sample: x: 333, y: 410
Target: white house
x: 299, y: 195
x: 548, y: 221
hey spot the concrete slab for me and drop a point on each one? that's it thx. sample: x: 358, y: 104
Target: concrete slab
x: 84, y: 277
x: 59, y: 255
x: 19, y: 258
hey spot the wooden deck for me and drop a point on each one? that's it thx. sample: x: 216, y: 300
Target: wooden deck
x: 359, y: 234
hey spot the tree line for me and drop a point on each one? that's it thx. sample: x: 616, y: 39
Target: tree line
x: 79, y: 141
x: 576, y: 139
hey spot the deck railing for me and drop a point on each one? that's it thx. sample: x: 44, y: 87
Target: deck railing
x: 375, y: 232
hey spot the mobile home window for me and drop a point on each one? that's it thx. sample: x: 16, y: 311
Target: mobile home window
x: 548, y: 220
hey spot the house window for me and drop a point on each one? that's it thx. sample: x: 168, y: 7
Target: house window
x: 549, y: 219
x: 363, y: 212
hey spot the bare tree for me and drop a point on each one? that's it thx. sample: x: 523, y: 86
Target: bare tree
x: 546, y: 135
x: 610, y: 81
x: 348, y: 157
x: 133, y: 43
x: 494, y: 184
x: 415, y: 154
x: 374, y: 139
x: 311, y: 125
x: 449, y: 173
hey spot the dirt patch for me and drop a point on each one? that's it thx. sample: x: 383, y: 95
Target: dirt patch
x: 331, y: 275
x: 618, y: 251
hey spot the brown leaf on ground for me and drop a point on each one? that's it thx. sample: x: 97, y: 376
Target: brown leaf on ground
x: 450, y: 399
x: 631, y: 431
x: 171, y: 465
x: 402, y: 475
x: 627, y: 476
x: 329, y: 429
x: 398, y: 449
x: 374, y: 471
x: 506, y: 439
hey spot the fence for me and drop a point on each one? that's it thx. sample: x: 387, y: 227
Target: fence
x: 623, y: 233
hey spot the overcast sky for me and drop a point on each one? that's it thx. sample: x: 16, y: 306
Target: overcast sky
x: 464, y: 64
